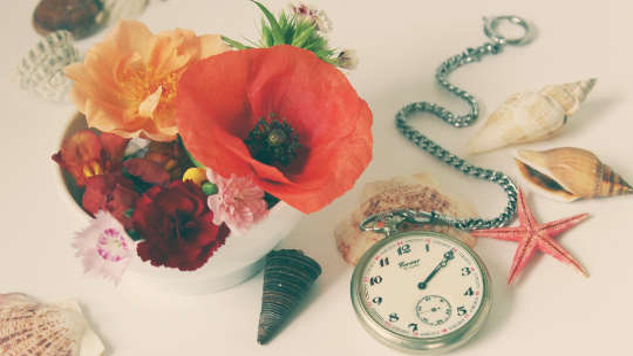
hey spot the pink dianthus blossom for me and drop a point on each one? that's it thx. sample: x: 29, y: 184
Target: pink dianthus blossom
x: 104, y: 247
x: 239, y: 203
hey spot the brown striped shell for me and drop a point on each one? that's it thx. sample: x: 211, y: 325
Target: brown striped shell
x: 569, y: 174
x: 28, y: 327
x: 288, y: 275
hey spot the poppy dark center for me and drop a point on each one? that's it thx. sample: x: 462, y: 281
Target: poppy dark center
x: 273, y: 142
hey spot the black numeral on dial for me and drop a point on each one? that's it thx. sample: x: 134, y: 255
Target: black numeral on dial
x: 413, y: 327
x: 384, y: 262
x: 393, y: 317
x: 469, y: 291
x: 377, y: 300
x: 466, y: 271
x: 375, y: 280
x: 461, y: 311
x: 404, y: 249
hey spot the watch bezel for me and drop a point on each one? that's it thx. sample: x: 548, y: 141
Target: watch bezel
x: 407, y: 343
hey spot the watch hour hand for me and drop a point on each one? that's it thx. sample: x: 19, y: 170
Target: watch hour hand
x: 449, y: 255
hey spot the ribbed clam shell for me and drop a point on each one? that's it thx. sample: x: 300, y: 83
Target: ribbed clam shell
x: 80, y: 17
x: 531, y: 116
x: 569, y: 173
x: 28, y: 327
x: 288, y: 275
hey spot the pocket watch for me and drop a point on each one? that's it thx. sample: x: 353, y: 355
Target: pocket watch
x: 421, y: 291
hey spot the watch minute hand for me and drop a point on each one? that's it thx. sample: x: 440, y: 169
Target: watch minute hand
x: 447, y: 257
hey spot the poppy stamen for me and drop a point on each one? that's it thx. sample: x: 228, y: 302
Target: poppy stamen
x: 273, y: 142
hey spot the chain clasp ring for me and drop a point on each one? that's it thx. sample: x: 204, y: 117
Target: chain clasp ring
x: 491, y: 30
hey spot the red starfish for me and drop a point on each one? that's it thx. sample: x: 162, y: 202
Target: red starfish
x: 532, y: 236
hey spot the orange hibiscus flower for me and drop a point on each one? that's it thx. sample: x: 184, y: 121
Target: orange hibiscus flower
x: 127, y: 83
x: 280, y: 114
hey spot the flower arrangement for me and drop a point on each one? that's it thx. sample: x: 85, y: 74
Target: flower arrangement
x: 192, y: 139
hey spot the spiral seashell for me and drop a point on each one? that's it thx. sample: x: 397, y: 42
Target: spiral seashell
x: 81, y: 17
x: 287, y: 277
x: 528, y: 117
x: 569, y: 174
x: 28, y: 327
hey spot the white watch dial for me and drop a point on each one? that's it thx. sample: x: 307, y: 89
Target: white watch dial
x: 422, y: 286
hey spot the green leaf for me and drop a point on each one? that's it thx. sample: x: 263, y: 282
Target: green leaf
x: 300, y: 39
x: 275, y: 28
x: 267, y: 36
x: 234, y: 43
x: 128, y: 213
x: 134, y: 235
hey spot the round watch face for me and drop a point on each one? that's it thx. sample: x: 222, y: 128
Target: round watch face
x: 421, y: 291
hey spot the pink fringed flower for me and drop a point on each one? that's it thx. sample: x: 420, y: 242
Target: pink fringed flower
x: 104, y: 247
x: 239, y: 203
x: 312, y: 15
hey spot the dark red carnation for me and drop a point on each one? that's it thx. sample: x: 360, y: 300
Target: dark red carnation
x: 177, y: 227
x: 113, y: 193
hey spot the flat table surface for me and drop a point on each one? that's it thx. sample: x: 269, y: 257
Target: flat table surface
x: 551, y: 309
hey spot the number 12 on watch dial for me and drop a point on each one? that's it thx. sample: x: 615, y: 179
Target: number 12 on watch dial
x: 421, y: 291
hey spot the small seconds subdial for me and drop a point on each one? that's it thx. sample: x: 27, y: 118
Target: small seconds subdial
x: 421, y: 286
x: 433, y: 310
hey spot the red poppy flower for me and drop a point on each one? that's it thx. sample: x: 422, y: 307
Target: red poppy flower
x: 222, y: 99
x: 86, y: 154
x: 177, y: 226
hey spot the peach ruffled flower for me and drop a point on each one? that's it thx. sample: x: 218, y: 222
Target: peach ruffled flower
x: 127, y: 83
x: 239, y: 203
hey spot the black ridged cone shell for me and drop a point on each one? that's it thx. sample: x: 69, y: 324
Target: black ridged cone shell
x: 288, y: 275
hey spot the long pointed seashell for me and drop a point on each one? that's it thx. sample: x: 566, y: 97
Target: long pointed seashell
x: 30, y: 328
x: 569, y: 174
x: 531, y: 116
x: 287, y: 277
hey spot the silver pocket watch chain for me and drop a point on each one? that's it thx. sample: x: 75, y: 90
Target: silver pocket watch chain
x: 387, y: 222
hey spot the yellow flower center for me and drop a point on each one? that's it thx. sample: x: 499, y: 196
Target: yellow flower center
x: 152, y: 92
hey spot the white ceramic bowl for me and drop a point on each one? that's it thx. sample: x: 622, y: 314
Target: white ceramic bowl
x: 240, y: 258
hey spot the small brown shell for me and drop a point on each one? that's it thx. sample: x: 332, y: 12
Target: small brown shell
x: 569, y: 174
x: 80, y: 17
x: 287, y: 277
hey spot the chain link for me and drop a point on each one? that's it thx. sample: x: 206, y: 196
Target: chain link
x: 424, y: 143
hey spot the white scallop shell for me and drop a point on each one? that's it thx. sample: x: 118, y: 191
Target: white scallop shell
x: 28, y: 327
x: 531, y: 116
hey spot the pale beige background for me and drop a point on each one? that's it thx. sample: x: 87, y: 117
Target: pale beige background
x: 551, y: 310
